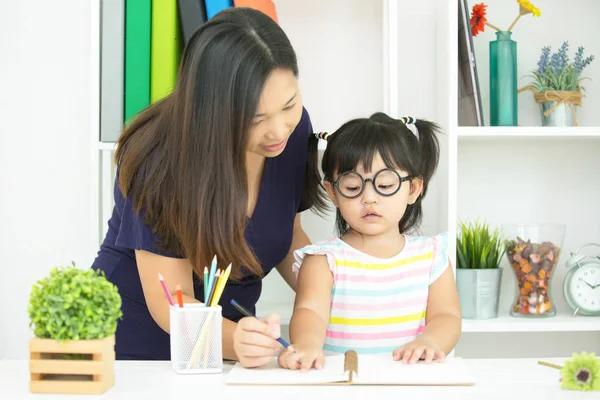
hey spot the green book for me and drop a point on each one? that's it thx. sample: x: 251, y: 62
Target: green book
x: 166, y: 51
x: 138, y: 15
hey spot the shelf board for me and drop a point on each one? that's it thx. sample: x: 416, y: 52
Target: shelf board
x: 502, y: 324
x: 468, y: 133
x: 507, y: 323
x: 107, y: 145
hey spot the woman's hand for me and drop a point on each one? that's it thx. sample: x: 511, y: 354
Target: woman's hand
x: 254, y: 340
x: 302, y: 357
x: 419, y: 349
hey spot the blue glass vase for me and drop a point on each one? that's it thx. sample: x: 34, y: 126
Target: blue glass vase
x: 503, y: 81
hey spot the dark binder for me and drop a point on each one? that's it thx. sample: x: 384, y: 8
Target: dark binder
x: 192, y: 14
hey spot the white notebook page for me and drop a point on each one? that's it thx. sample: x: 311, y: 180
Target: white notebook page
x: 273, y: 374
x: 372, y: 370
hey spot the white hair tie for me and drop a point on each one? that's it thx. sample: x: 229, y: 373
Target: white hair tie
x: 410, y: 124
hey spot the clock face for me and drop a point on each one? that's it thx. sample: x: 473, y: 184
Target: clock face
x: 585, y: 287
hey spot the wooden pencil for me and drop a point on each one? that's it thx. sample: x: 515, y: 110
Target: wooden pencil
x: 547, y: 364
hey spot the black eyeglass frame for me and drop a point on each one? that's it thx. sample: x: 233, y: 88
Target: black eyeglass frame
x: 372, y: 180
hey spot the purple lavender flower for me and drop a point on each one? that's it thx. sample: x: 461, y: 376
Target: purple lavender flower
x: 543, y: 62
x: 579, y: 62
x: 555, y: 62
x: 564, y: 57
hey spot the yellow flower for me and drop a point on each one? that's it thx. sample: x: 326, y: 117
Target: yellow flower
x: 526, y: 7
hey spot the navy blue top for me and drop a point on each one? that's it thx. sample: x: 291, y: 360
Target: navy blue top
x: 268, y: 233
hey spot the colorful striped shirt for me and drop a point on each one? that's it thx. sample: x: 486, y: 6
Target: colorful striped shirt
x: 378, y: 304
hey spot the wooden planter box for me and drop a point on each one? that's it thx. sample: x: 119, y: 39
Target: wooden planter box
x: 72, y: 367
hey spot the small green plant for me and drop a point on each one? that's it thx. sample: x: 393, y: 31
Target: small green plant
x: 477, y: 247
x: 74, y: 304
x: 555, y: 72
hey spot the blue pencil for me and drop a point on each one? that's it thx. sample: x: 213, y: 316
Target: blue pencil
x: 211, y: 279
x: 205, y: 285
x: 247, y: 313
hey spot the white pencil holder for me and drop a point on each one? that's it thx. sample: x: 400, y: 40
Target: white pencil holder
x: 196, y: 342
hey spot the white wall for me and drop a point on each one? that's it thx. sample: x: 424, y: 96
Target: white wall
x: 420, y: 87
x: 44, y: 152
x: 531, y: 34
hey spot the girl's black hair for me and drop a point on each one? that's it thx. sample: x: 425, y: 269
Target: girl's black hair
x: 359, y: 140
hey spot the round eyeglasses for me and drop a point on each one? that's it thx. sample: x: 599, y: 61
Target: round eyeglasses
x: 386, y: 182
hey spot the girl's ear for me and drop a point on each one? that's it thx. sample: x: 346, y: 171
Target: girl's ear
x: 416, y: 187
x: 331, y: 192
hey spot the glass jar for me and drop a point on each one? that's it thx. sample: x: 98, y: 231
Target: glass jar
x: 533, y: 251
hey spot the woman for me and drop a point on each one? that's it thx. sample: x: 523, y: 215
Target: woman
x: 223, y: 166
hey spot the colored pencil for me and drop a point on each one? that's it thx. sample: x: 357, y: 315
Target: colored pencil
x: 216, y: 286
x: 211, y: 278
x: 547, y: 364
x: 205, y: 283
x: 179, y: 295
x: 215, y: 293
x: 247, y: 313
x: 211, y: 288
x: 164, y: 286
x: 183, y: 321
x: 220, y: 287
x: 202, y: 340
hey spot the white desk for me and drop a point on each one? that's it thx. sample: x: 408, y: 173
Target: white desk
x: 512, y: 379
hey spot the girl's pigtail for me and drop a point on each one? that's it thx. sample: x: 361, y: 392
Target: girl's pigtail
x: 313, y: 195
x: 429, y: 154
x: 429, y: 150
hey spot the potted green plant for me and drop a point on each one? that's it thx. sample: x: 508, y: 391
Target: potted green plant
x: 556, y: 85
x: 74, y: 314
x: 479, y: 251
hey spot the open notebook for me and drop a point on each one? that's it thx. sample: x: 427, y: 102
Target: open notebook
x: 351, y: 369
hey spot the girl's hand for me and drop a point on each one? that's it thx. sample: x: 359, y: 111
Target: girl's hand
x: 304, y: 358
x: 419, y: 349
x: 254, y: 340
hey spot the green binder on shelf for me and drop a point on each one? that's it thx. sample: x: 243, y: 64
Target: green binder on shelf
x: 138, y: 19
x: 166, y: 48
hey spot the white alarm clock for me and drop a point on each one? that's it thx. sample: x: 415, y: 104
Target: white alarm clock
x: 581, y: 286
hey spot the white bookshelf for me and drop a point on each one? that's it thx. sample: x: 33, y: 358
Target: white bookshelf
x: 529, y: 174
x: 525, y: 132
x: 508, y: 324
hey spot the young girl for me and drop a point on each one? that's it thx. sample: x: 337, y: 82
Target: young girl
x: 376, y: 289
